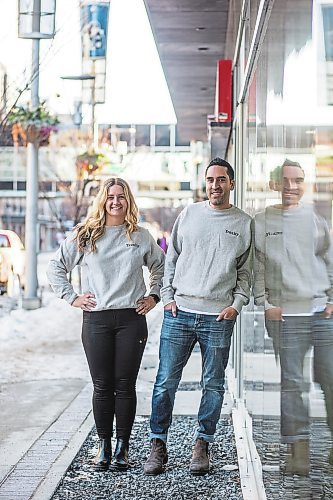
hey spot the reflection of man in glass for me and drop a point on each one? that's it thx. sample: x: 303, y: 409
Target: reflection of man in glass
x: 294, y: 281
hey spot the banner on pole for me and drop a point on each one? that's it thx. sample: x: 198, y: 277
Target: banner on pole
x: 94, y: 17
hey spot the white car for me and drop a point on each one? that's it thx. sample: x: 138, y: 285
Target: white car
x: 12, y: 262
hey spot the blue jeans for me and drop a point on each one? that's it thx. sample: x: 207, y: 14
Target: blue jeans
x: 178, y: 337
x: 292, y: 339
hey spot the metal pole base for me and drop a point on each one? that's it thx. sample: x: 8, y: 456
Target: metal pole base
x: 31, y: 303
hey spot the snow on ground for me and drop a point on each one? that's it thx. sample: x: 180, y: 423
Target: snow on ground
x: 42, y: 344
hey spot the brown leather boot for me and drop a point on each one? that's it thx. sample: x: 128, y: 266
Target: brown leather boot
x: 200, y: 458
x: 298, y: 462
x: 157, y: 459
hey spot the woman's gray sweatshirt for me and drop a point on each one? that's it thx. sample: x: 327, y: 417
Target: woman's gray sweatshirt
x: 114, y: 272
x: 208, y: 263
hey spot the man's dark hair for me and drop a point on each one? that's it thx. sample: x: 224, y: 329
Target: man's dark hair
x: 222, y: 163
x: 290, y: 163
x: 276, y: 174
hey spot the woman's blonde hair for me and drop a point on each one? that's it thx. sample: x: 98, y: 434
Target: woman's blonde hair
x: 93, y: 227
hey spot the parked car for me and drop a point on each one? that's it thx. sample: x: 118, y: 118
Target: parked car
x: 12, y: 262
x: 3, y: 275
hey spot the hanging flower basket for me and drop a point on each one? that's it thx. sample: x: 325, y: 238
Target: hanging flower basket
x: 34, y: 126
x: 90, y: 162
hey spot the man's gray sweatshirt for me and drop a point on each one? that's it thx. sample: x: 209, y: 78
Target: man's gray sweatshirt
x: 114, y: 272
x: 208, y: 263
x: 293, y: 260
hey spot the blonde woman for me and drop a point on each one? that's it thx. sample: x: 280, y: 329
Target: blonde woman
x: 111, y: 249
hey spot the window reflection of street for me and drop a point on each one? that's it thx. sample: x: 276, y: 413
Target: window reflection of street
x: 289, y: 116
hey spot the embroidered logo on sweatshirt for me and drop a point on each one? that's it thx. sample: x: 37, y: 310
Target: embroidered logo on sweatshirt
x: 232, y: 232
x: 275, y: 233
x: 132, y: 245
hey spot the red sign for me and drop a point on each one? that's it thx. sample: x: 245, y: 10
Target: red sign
x: 223, y: 96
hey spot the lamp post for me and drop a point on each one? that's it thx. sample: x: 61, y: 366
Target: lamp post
x: 36, y: 21
x: 93, y: 103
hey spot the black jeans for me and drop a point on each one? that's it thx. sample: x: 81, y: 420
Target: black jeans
x: 114, y: 341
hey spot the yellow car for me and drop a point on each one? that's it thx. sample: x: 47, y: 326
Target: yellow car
x: 12, y: 262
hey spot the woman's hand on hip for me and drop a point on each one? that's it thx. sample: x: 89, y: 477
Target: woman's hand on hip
x: 85, y: 302
x: 145, y: 305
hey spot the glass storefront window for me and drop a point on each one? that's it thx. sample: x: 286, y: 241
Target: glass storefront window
x: 284, y: 144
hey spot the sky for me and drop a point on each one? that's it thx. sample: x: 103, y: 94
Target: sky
x: 136, y: 90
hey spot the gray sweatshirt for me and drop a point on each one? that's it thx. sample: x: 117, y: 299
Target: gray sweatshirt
x: 114, y: 272
x: 293, y: 260
x: 208, y: 263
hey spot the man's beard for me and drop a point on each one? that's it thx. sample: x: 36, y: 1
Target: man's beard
x: 292, y: 200
x: 217, y: 201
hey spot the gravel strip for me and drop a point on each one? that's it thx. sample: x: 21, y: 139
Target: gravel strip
x: 223, y: 482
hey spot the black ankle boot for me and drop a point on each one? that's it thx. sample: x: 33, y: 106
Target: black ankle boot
x: 121, y: 455
x: 103, y: 457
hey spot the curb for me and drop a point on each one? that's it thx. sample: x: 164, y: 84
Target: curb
x: 43, y: 465
x: 59, y: 468
x: 249, y: 463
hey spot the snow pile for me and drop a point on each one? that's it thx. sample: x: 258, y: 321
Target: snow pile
x: 42, y: 344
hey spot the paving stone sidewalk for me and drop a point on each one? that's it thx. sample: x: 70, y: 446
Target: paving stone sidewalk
x: 24, y: 479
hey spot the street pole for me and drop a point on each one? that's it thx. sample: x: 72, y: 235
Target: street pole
x: 31, y: 300
x: 29, y: 27
x: 94, y: 125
